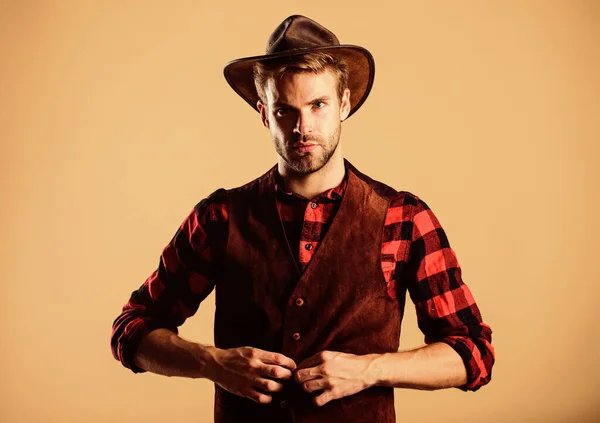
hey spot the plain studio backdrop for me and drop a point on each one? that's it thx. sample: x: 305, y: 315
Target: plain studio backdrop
x: 115, y: 120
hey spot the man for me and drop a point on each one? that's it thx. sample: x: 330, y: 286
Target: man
x: 310, y: 262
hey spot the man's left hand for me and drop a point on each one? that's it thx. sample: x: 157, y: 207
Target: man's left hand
x: 336, y: 374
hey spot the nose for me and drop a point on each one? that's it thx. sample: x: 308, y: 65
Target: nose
x: 304, y: 123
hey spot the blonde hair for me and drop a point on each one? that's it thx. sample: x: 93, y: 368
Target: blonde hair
x: 315, y: 62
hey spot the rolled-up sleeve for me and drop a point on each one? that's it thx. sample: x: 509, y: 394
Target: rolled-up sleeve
x: 446, y: 309
x: 185, y: 276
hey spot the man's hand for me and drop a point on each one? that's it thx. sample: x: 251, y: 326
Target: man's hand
x: 336, y: 374
x: 251, y: 372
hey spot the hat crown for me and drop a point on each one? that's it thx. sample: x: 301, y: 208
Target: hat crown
x: 299, y: 32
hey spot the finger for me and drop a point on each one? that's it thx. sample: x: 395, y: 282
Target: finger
x: 312, y: 361
x: 324, y: 398
x: 259, y: 397
x: 267, y: 385
x: 316, y: 385
x: 279, y: 359
x: 308, y: 374
x: 274, y: 372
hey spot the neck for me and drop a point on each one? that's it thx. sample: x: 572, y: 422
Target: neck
x: 313, y: 184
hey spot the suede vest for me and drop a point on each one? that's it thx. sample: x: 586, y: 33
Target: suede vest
x: 344, y: 303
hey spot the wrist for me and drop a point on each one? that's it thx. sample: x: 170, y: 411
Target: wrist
x: 374, y: 373
x: 206, y: 357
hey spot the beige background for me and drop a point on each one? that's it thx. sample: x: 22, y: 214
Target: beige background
x: 115, y: 120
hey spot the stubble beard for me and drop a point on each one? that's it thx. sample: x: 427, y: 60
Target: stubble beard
x: 307, y: 163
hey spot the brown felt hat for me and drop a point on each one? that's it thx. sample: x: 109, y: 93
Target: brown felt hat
x: 300, y: 35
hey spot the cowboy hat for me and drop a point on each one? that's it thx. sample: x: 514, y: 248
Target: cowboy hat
x: 300, y: 35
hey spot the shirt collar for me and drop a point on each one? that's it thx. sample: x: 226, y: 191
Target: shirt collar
x: 334, y: 194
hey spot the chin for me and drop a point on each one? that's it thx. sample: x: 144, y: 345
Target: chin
x: 308, y: 168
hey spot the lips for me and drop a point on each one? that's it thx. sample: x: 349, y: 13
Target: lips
x: 303, y: 148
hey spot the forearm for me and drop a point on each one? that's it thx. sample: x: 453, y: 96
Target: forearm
x: 165, y: 353
x: 434, y: 366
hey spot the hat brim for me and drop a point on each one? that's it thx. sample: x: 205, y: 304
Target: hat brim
x: 239, y: 73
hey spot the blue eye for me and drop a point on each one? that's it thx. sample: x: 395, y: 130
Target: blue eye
x: 280, y: 112
x: 319, y: 104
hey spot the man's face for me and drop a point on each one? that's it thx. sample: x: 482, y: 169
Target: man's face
x: 303, y: 114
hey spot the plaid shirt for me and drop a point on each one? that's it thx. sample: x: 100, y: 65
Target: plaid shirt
x: 427, y: 269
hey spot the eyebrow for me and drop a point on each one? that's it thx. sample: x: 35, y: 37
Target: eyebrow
x: 323, y: 98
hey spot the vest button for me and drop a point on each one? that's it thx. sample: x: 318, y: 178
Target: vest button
x: 299, y: 302
x: 283, y: 404
x: 308, y: 247
x: 313, y: 205
x: 296, y: 336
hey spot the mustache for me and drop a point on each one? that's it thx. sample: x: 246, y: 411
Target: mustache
x: 306, y: 138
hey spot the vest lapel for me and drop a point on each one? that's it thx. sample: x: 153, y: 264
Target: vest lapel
x: 272, y: 212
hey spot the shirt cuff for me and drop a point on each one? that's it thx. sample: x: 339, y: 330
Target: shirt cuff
x: 474, y: 382
x: 129, y: 341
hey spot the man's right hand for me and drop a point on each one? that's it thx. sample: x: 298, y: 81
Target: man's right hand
x: 251, y: 372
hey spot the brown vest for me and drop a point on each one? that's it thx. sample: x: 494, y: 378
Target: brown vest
x: 345, y: 303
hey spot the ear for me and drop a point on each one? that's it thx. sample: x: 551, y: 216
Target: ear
x: 262, y: 109
x: 345, y: 105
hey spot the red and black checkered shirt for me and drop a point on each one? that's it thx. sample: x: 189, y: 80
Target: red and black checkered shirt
x: 428, y: 270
